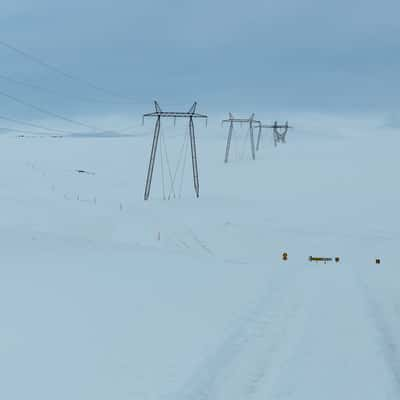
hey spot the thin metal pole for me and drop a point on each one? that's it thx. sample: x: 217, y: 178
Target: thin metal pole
x: 276, y: 134
x: 284, y: 132
x: 259, y: 137
x: 194, y: 158
x: 152, y: 158
x: 228, y: 142
x: 253, y: 152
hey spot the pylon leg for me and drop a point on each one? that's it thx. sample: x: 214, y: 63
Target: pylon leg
x: 276, y: 137
x: 194, y: 158
x: 284, y: 135
x: 253, y: 152
x: 228, y: 142
x: 152, y: 158
x: 259, y: 138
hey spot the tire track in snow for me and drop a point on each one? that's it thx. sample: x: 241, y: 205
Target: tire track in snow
x: 388, y: 338
x: 243, y: 360
x: 200, y: 243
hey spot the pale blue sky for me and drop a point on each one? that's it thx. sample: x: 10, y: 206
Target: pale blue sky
x: 296, y: 55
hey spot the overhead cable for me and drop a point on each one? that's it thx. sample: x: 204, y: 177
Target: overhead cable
x: 59, y: 71
x: 55, y: 92
x: 50, y: 113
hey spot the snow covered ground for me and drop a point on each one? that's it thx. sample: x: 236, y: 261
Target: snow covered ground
x: 105, y: 296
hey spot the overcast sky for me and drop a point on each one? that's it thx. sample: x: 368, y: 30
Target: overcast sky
x: 298, y: 55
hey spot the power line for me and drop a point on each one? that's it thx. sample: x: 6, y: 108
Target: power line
x: 33, y: 125
x: 51, y: 113
x: 59, y: 71
x: 22, y: 131
x: 71, y: 134
x: 55, y: 92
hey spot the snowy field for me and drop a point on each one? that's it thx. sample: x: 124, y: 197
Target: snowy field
x: 105, y: 296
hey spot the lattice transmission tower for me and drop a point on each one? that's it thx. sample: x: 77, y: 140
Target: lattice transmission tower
x: 279, y: 132
x: 232, y: 121
x: 159, y: 114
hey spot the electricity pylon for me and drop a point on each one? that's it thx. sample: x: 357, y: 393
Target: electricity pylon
x: 158, y: 114
x: 231, y: 120
x: 279, y: 132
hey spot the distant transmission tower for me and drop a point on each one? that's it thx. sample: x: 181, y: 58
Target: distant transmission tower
x: 158, y: 114
x: 231, y: 120
x: 279, y: 132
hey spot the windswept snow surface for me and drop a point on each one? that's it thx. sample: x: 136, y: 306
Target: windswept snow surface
x: 104, y: 296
